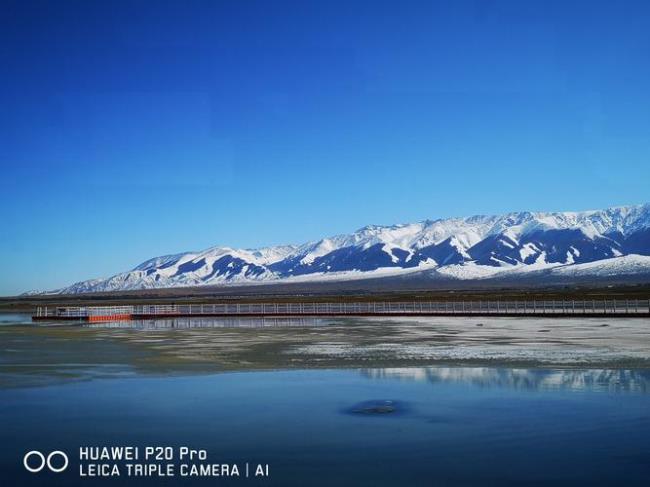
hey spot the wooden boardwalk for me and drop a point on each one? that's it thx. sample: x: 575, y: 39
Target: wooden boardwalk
x: 550, y: 308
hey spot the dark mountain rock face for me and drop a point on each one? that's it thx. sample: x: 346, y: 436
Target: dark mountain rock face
x: 228, y: 265
x: 637, y: 243
x: 565, y: 246
x: 495, y: 251
x: 351, y: 259
x: 557, y: 246
x: 443, y: 253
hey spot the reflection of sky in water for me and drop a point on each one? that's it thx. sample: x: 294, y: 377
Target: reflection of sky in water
x: 529, y: 379
x: 337, y: 427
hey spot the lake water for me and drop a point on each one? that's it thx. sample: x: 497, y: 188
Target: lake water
x: 433, y: 425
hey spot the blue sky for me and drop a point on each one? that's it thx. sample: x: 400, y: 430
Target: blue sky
x: 135, y: 129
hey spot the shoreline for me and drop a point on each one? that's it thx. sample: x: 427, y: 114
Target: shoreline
x: 330, y: 292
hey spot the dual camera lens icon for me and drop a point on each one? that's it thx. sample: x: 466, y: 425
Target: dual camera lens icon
x: 34, y: 461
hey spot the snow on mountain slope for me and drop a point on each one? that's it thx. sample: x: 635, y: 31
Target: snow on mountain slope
x: 617, y: 266
x: 460, y: 248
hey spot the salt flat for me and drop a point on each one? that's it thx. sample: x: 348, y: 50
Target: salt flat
x: 33, y: 354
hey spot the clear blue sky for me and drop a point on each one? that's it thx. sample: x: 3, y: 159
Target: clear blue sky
x: 134, y: 129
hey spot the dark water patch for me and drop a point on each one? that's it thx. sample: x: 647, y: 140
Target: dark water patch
x: 380, y: 407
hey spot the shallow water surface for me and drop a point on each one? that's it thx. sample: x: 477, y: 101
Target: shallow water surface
x: 336, y: 401
x: 445, y: 425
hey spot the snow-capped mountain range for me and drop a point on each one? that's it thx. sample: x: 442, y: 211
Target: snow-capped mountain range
x: 601, y: 242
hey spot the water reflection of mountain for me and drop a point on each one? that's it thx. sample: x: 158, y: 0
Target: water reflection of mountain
x: 534, y: 379
x: 210, y: 322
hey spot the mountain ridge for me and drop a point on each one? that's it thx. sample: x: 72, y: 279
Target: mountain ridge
x: 479, y: 245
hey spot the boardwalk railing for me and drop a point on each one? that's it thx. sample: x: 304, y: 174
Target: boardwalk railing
x: 82, y: 311
x: 614, y: 307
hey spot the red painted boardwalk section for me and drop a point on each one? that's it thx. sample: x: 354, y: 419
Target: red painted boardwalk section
x: 117, y: 317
